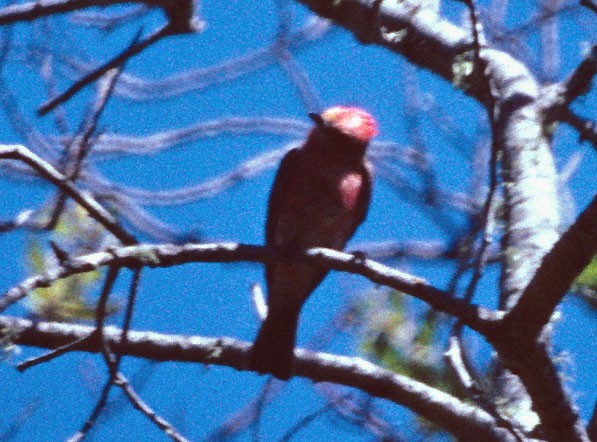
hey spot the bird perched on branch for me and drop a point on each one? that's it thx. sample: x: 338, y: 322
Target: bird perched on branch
x: 320, y: 196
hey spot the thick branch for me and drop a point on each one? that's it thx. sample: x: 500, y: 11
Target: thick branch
x: 542, y: 380
x: 461, y: 419
x: 428, y: 41
x: 521, y: 347
x: 166, y: 255
x: 569, y: 256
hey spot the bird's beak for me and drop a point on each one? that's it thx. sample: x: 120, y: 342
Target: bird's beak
x: 317, y: 119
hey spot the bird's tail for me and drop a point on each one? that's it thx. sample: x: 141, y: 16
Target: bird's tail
x: 273, y: 350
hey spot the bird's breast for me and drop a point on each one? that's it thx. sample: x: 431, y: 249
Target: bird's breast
x: 350, y: 186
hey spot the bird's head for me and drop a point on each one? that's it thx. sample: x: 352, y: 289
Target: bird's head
x: 352, y: 122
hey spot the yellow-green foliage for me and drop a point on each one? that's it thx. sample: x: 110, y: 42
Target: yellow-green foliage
x: 588, y: 278
x: 404, y: 342
x: 66, y: 299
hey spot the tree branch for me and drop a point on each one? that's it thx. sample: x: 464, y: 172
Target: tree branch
x: 47, y: 171
x: 430, y: 42
x: 463, y: 420
x: 483, y: 320
x: 179, y: 12
x: 587, y: 130
x: 117, y: 62
x: 579, y: 82
x: 560, y: 267
x: 559, y: 420
x: 122, y: 382
x: 33, y: 10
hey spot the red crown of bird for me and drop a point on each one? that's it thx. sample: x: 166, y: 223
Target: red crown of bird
x: 352, y: 121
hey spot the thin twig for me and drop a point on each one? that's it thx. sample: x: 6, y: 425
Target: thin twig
x: 17, y: 422
x: 587, y: 130
x: 122, y: 382
x: 243, y: 418
x: 100, y: 316
x: 113, y: 362
x: 306, y: 420
x: 480, y: 257
x: 34, y: 10
x: 579, y: 82
x: 117, y: 61
x: 108, y: 21
x: 53, y: 354
x: 47, y: 74
x: 47, y: 171
x: 24, y: 219
x: 141, y: 89
x: 295, y: 73
x: 76, y: 153
x: 260, y: 404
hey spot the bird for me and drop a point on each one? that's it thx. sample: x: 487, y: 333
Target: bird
x: 320, y: 195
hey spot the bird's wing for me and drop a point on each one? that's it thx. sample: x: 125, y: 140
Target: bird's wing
x: 279, y: 192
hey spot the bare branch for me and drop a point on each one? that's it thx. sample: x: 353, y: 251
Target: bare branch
x: 25, y: 218
x: 560, y: 267
x: 349, y: 408
x: 158, y: 142
x: 551, y: 401
x: 96, y: 211
x: 579, y: 82
x: 209, y: 188
x: 133, y: 49
x: 54, y: 353
x: 98, y: 332
x: 428, y: 41
x: 461, y: 419
x: 243, y: 418
x: 140, y: 89
x: 80, y: 147
x: 17, y: 422
x: 457, y: 362
x: 33, y: 10
x: 311, y: 417
x: 528, y: 166
x: 589, y: 4
x: 179, y: 12
x: 166, y: 255
x: 282, y: 52
x: 587, y: 130
x: 139, y: 404
x: 108, y: 22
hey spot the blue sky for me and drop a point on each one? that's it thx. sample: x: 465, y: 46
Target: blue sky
x: 215, y: 299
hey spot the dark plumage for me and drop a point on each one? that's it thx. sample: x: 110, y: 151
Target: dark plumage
x: 319, y: 197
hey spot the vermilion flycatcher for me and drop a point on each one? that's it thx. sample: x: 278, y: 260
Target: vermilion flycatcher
x: 320, y: 195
